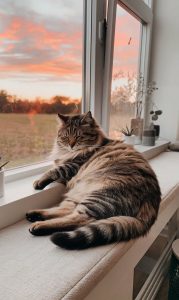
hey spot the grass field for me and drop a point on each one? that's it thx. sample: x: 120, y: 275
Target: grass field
x: 26, y: 139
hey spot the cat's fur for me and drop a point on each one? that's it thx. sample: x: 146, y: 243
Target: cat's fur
x: 112, y: 193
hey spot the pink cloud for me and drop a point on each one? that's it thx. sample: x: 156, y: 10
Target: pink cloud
x: 41, y: 50
x: 35, y: 49
x: 127, y: 42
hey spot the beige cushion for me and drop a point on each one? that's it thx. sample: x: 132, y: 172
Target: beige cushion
x: 33, y: 268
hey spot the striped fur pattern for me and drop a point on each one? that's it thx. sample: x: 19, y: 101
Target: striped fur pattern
x: 112, y: 194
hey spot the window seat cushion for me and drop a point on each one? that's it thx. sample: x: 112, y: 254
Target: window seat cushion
x: 33, y: 268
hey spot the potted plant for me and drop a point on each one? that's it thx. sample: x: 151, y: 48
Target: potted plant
x: 154, y: 117
x: 141, y: 91
x: 2, y: 178
x: 129, y: 137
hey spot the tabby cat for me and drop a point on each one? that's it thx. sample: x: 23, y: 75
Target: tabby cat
x: 112, y: 194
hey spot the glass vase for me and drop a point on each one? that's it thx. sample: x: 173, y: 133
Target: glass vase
x: 137, y: 125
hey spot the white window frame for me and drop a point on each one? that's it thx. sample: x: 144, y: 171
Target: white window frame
x: 93, y: 57
x: 144, y: 13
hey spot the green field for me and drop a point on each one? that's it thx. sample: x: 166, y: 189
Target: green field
x: 26, y: 139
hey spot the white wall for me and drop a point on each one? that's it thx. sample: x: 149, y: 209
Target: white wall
x: 165, y: 65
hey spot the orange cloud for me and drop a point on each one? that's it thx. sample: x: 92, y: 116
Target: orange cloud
x: 11, y: 31
x: 34, y: 48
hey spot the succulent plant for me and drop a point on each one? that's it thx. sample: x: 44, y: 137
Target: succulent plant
x: 126, y: 131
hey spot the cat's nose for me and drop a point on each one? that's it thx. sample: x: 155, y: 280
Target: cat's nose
x: 72, y: 143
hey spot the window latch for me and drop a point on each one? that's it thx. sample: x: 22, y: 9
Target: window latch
x: 102, y: 31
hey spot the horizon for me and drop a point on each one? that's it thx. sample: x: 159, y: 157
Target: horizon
x: 41, y: 50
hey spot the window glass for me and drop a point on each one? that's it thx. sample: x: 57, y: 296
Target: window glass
x: 40, y: 74
x: 125, y: 71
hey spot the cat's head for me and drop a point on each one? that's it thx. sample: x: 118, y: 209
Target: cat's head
x: 78, y: 132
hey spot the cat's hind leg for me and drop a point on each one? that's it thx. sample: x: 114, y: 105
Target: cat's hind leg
x: 65, y: 208
x: 65, y: 223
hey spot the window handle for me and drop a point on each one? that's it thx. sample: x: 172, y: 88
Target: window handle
x: 102, y: 31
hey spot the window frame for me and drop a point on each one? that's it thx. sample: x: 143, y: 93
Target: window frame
x: 142, y: 11
x: 93, y: 56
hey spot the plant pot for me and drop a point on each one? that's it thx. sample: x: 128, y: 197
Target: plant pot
x: 130, y: 140
x: 1, y: 182
x: 148, y: 138
x: 137, y: 126
x: 157, y: 131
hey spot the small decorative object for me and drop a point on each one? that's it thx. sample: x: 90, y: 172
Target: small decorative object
x: 148, y: 138
x: 129, y: 138
x: 141, y: 91
x: 2, y: 178
x: 137, y: 124
x: 157, y: 131
x: 155, y: 115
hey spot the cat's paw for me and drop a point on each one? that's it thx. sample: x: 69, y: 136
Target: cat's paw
x: 33, y: 216
x: 35, y: 228
x: 39, y: 228
x: 38, y: 185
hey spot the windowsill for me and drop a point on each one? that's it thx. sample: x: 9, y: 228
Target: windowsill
x: 27, y: 171
x: 18, y: 189
x: 20, y: 195
x: 152, y: 151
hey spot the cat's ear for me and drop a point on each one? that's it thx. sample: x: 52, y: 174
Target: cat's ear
x: 63, y: 118
x: 87, y: 118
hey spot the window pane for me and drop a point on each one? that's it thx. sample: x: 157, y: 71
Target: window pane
x: 125, y: 69
x: 40, y: 74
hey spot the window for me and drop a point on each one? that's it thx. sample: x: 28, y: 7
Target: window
x: 131, y: 21
x: 42, y: 70
x: 40, y: 74
x: 125, y: 71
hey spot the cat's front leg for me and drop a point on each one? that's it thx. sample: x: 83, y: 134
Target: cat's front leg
x: 46, y: 179
x: 62, y: 173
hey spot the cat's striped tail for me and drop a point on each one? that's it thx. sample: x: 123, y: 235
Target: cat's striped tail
x: 106, y: 231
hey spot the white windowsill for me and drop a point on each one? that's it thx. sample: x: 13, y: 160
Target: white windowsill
x: 150, y: 152
x: 20, y: 195
x: 27, y: 171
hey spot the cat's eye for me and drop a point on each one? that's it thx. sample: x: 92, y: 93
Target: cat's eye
x: 64, y: 138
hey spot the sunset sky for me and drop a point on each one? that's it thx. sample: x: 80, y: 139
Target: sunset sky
x: 126, y: 46
x: 41, y: 47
